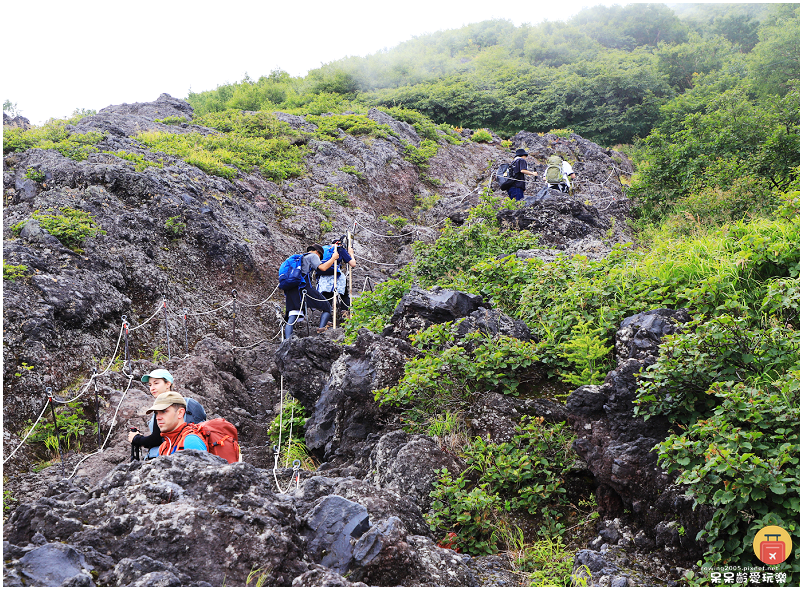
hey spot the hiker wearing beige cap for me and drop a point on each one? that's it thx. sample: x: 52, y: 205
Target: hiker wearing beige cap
x: 169, y: 409
x: 159, y: 381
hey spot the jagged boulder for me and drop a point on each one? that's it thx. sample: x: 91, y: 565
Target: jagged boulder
x: 346, y: 421
x: 419, y: 309
x: 191, y: 511
x: 407, y: 464
x: 493, y: 323
x: 558, y: 219
x: 617, y: 446
x: 305, y: 365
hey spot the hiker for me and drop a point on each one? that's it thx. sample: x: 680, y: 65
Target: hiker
x: 325, y: 281
x: 160, y: 381
x: 311, y: 261
x: 170, y: 409
x: 520, y: 170
x: 559, y: 174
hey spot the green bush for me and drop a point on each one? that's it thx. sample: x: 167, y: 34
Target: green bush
x: 53, y: 135
x: 481, y: 136
x: 419, y: 156
x: 35, y: 175
x: 328, y: 126
x: 12, y: 272
x: 742, y: 459
x: 336, y: 194
x: 289, y: 429
x: 525, y: 474
x: 174, y: 227
x: 447, y: 378
x: 222, y: 154
x: 70, y: 226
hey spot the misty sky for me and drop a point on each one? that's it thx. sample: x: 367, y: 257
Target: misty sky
x: 62, y: 55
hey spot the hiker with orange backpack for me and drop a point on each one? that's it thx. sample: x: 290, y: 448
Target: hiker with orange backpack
x: 169, y: 409
x: 160, y: 381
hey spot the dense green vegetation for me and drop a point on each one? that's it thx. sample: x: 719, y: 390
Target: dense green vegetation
x: 718, y: 200
x: 605, y: 73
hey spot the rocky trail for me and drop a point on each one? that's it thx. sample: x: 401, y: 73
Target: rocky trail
x: 100, y: 518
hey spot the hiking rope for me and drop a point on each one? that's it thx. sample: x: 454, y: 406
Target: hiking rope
x: 44, y: 409
x: 361, y: 257
x: 223, y: 306
x: 147, y: 320
x: 411, y: 233
x: 260, y: 302
x: 276, y: 449
x: 110, y: 428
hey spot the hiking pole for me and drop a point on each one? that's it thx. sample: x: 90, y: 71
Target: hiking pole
x: 350, y: 273
x: 58, y: 432
x: 335, y: 270
x: 166, y: 325
x: 135, y: 450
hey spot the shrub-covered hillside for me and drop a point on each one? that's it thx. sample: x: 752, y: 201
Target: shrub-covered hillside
x: 605, y: 73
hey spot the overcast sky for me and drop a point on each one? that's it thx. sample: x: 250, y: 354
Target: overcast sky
x: 62, y: 55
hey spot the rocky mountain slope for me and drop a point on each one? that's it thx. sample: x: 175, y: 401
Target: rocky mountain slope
x: 359, y: 517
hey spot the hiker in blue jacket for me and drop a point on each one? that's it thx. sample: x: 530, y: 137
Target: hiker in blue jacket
x: 519, y: 171
x: 312, y: 260
x: 325, y: 280
x: 160, y: 381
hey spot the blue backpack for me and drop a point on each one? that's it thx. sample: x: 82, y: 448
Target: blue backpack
x: 290, y: 275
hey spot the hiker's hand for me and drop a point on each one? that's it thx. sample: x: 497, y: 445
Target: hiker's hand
x: 335, y: 255
x: 132, y: 435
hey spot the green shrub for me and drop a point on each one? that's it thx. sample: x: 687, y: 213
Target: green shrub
x: 71, y: 226
x: 451, y: 373
x: 222, y: 154
x: 742, y: 459
x: 175, y: 120
x: 53, y: 135
x: 481, y: 136
x: 336, y: 194
x: 174, y: 227
x: 12, y: 272
x: 354, y: 171
x: 329, y: 126
x: 395, y: 221
x: 564, y: 133
x: 35, y: 175
x: 289, y: 429
x: 140, y: 163
x: 525, y: 474
x: 419, y: 156
x: 73, y: 428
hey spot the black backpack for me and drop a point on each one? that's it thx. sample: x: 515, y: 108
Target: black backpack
x: 505, y: 176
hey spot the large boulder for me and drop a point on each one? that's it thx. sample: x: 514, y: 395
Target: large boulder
x: 618, y: 446
x: 419, y: 309
x: 193, y: 512
x: 408, y: 463
x: 346, y: 421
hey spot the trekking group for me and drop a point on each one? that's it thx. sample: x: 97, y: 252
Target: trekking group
x: 558, y: 175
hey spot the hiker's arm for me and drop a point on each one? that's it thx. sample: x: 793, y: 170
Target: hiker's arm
x: 529, y: 173
x: 151, y: 440
x: 329, y: 263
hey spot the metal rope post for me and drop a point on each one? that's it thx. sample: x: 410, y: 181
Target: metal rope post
x: 350, y: 271
x: 234, y: 293
x: 127, y: 364
x: 166, y: 325
x: 97, y: 408
x: 185, y: 332
x: 58, y: 432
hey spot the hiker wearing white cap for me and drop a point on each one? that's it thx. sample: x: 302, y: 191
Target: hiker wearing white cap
x: 160, y: 381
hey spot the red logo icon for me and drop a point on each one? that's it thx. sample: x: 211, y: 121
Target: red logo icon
x: 772, y: 545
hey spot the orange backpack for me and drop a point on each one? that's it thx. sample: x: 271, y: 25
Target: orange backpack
x: 222, y: 439
x: 220, y: 436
